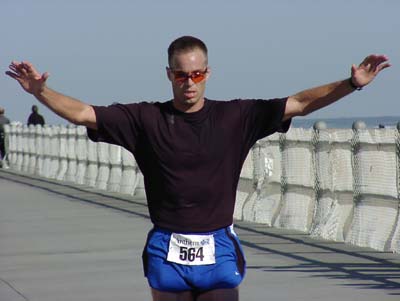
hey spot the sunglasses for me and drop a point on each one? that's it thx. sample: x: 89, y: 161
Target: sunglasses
x: 196, y: 76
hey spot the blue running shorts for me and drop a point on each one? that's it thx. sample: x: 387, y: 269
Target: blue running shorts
x: 193, y: 261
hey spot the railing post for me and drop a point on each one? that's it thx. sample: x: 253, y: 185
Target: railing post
x: 70, y: 175
x: 39, y: 149
x: 318, y: 126
x: 104, y: 166
x: 139, y: 190
x: 395, y: 243
x: 92, y: 163
x: 398, y: 161
x: 25, y: 149
x: 62, y: 154
x: 46, y: 169
x: 284, y: 184
x: 355, y: 164
x: 114, y: 181
x: 31, y: 149
x: 6, y: 157
x: 12, y: 150
x: 316, y: 225
x: 81, y: 154
x: 53, y: 151
x: 129, y: 176
x: 20, y: 148
x: 258, y: 166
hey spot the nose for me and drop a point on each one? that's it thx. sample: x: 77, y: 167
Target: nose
x: 189, y: 81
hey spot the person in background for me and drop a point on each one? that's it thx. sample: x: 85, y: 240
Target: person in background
x: 35, y: 118
x: 3, y: 120
x: 190, y: 150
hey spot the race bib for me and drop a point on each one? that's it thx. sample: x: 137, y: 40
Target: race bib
x: 191, y: 249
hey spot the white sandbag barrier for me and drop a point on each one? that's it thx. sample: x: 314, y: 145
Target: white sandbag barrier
x: 81, y: 151
x: 336, y: 184
x: 65, y: 153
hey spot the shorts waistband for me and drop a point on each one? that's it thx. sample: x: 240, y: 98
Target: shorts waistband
x: 217, y: 232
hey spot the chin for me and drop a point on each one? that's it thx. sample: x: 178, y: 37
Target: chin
x: 190, y: 100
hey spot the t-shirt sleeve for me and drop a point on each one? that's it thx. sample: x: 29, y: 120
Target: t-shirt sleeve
x: 117, y: 124
x: 262, y: 118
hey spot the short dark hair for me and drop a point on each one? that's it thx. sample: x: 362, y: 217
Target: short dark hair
x: 185, y: 43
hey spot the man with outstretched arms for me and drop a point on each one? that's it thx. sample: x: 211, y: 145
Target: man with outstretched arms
x: 191, y: 150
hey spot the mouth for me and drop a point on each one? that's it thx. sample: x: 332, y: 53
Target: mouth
x: 189, y: 94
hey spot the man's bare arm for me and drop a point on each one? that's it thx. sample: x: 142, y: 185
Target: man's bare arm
x: 310, y: 100
x: 68, y: 108
x: 73, y: 110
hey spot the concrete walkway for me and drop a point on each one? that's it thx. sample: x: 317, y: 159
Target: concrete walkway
x: 66, y: 242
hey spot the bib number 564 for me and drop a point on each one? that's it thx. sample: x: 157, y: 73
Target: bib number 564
x: 191, y: 254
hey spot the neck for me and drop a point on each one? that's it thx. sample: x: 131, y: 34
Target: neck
x: 188, y: 107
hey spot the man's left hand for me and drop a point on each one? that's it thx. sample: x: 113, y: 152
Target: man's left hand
x: 368, y: 69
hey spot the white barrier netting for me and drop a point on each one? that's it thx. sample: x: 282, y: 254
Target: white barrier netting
x: 376, y: 204
x: 337, y: 184
x: 66, y: 154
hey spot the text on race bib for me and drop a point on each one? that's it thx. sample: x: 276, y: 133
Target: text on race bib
x: 191, y: 249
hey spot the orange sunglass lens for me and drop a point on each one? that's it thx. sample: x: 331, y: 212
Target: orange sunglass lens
x: 180, y: 76
x: 195, y: 77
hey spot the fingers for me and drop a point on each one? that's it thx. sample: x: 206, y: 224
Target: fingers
x: 18, y: 68
x: 25, y: 69
x: 20, y: 65
x: 15, y: 68
x: 374, y: 63
x: 375, y: 60
x: 13, y: 75
x: 378, y: 61
x: 12, y: 68
x: 16, y: 65
x: 383, y: 66
x: 28, y: 67
x: 353, y: 69
x: 45, y: 76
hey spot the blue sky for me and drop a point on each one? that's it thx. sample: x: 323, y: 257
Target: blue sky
x: 103, y: 51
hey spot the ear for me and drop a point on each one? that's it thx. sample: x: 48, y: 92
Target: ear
x: 169, y: 73
x: 208, y: 74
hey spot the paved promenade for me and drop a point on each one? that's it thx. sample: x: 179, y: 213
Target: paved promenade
x: 66, y: 242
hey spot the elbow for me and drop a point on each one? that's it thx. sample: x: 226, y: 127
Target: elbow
x: 76, y: 118
x: 304, y: 111
x: 85, y: 117
x: 295, y: 108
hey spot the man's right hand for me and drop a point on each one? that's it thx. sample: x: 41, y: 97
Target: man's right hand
x: 28, y: 77
x: 73, y: 110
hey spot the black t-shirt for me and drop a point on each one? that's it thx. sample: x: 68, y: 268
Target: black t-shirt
x: 191, y: 162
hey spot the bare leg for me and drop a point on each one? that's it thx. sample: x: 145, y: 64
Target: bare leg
x: 225, y: 294
x: 171, y: 296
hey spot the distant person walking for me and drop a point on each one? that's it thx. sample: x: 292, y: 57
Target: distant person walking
x: 3, y: 120
x: 35, y: 118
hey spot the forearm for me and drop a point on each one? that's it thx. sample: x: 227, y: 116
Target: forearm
x: 309, y: 100
x: 67, y: 107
